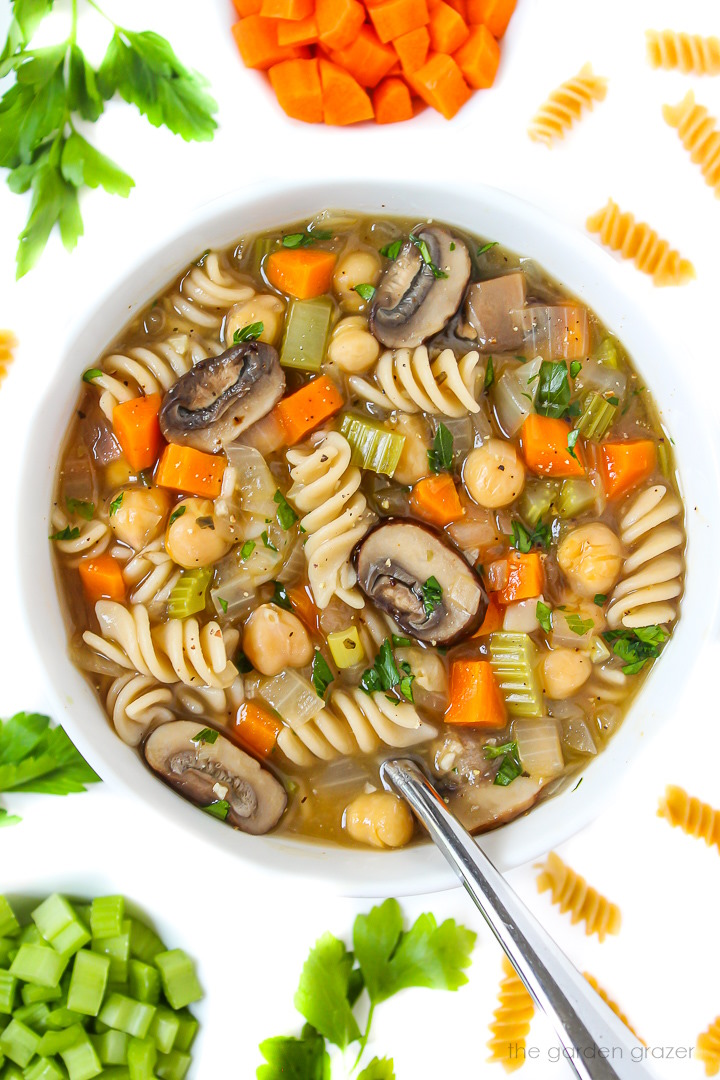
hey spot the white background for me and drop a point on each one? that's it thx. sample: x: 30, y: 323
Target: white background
x: 251, y: 935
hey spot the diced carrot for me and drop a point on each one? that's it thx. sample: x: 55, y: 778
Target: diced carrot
x: 448, y: 30
x: 519, y: 576
x: 136, y: 425
x: 247, y: 7
x: 478, y: 58
x: 183, y: 468
x: 495, y: 14
x: 297, y: 87
x: 440, y: 83
x: 102, y: 578
x: 308, y: 407
x: 396, y: 17
x: 412, y: 48
x: 287, y: 9
x: 493, y: 619
x: 461, y: 8
x: 300, y: 272
x: 624, y: 465
x: 257, y: 40
x: 304, y: 606
x: 367, y: 59
x: 392, y: 102
x: 302, y: 32
x: 344, y: 100
x: 256, y: 728
x: 475, y: 697
x: 339, y: 22
x: 545, y: 447
x: 435, y: 499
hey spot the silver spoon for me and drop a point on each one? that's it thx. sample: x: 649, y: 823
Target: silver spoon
x: 596, y: 1044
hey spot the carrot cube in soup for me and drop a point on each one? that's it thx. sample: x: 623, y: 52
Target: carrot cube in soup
x: 307, y: 408
x: 297, y: 87
x: 256, y: 728
x: 137, y: 428
x: 517, y: 577
x: 102, y: 578
x: 478, y: 58
x: 435, y: 499
x: 440, y: 84
x: 624, y: 465
x: 546, y: 448
x: 301, y: 272
x: 395, y: 17
x: 182, y: 468
x: 475, y: 698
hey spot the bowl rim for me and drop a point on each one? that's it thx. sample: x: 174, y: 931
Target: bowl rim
x: 565, y: 253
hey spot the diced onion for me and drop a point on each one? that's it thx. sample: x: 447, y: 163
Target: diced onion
x: 539, y: 747
x: 555, y: 332
x: 292, y: 696
x: 475, y: 529
x: 521, y: 616
x: 265, y: 435
x: 514, y: 395
x: 603, y: 379
x: 254, y: 482
x: 577, y: 735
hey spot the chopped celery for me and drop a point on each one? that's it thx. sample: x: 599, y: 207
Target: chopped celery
x: 164, y: 1029
x: 118, y: 950
x: 54, y: 1042
x: 142, y: 1057
x: 80, y: 1059
x: 188, y: 594
x: 144, y: 982
x: 62, y: 1018
x: 187, y: 1031
x: 346, y: 647
x: 537, y: 500
x: 576, y: 496
x: 8, y: 990
x: 35, y: 1015
x: 262, y: 246
x: 597, y: 416
x: 106, y: 916
x: 179, y: 980
x: 38, y: 964
x: 89, y: 980
x: 144, y: 942
x: 607, y: 353
x: 30, y: 994
x: 664, y: 459
x: 59, y: 924
x: 124, y: 1014
x: 8, y: 923
x: 599, y: 651
x: 513, y: 658
x: 42, y: 1069
x: 173, y: 1066
x: 19, y: 1043
x: 307, y: 324
x: 373, y: 446
x: 112, y: 1047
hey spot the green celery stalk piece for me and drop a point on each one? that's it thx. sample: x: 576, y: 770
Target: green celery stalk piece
x: 307, y: 325
x: 373, y: 446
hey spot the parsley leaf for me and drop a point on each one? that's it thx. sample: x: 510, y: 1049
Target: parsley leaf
x: 523, y: 540
x: 321, y: 676
x: 80, y: 508
x: 599, y: 598
x: 510, y: 767
x: 223, y: 604
x: 247, y: 549
x: 280, y: 596
x: 290, y: 1058
x: 219, y: 809
x: 177, y: 513
x: 117, y: 503
x: 441, y: 455
x: 543, y: 614
x: 286, y: 516
x: 635, y: 647
x: 432, y: 595
x: 91, y: 374
x: 575, y: 369
x: 305, y: 239
x: 384, y: 674
x: 391, y: 251
x: 489, y: 374
x: 322, y: 994
x: 424, y: 250
x: 207, y: 735
x: 250, y: 332
x: 486, y: 247
x: 66, y: 534
x: 572, y: 442
x: 406, y: 680
x: 577, y: 625
x: 553, y: 392
x: 378, y: 1069
x: 366, y: 291
x: 37, y: 758
x: 401, y: 642
x: 267, y: 542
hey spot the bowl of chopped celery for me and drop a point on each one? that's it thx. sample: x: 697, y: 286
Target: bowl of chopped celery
x: 589, y: 273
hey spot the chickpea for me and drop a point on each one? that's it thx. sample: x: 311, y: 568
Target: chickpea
x: 274, y: 639
x: 139, y: 515
x: 379, y: 819
x: 591, y: 558
x: 413, y: 463
x: 494, y: 474
x: 360, y: 267
x: 352, y: 347
x: 264, y: 308
x: 192, y: 538
x: 564, y: 671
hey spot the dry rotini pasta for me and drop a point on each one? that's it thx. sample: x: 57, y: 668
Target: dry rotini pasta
x: 573, y: 894
x: 690, y: 53
x: 694, y: 817
x: 637, y: 241
x: 707, y: 1048
x: 565, y: 105
x: 208, y: 291
x: 611, y: 1004
x: 700, y: 136
x: 511, y: 1020
x: 651, y: 578
x: 8, y: 341
x: 406, y: 379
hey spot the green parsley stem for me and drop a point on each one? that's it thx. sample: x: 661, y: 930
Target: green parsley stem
x: 101, y: 12
x: 365, y: 1036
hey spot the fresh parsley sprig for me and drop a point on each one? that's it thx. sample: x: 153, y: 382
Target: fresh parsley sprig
x: 524, y: 540
x: 441, y: 455
x: 386, y: 674
x: 637, y: 646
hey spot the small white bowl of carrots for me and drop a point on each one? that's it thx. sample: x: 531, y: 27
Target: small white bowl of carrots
x: 343, y: 62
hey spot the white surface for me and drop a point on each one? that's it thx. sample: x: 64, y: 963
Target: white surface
x: 251, y: 936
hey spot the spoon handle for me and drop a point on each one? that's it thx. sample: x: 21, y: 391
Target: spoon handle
x: 596, y: 1044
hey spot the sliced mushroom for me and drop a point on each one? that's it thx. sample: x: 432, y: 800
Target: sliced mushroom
x: 489, y: 310
x: 394, y: 563
x: 219, y: 398
x: 209, y: 772
x: 415, y: 298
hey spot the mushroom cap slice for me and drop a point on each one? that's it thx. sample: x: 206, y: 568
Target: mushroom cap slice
x: 491, y: 309
x: 393, y: 562
x: 205, y: 773
x: 412, y: 303
x: 210, y: 405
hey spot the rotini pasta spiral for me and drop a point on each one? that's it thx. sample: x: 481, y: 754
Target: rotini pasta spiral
x: 694, y: 817
x: 8, y: 341
x: 700, y: 137
x: 406, y: 379
x: 92, y: 536
x: 637, y: 241
x: 207, y: 291
x: 573, y: 894
x: 689, y: 52
x: 565, y: 105
x: 652, y: 573
x: 151, y: 574
x: 136, y: 703
x: 354, y: 723
x: 177, y: 650
x: 707, y: 1048
x: 511, y: 1020
x: 611, y: 1004
x: 335, y: 516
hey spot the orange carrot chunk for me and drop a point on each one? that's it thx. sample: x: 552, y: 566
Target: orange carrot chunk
x: 304, y: 606
x: 308, y: 407
x: 300, y: 272
x: 247, y: 7
x: 256, y: 728
x: 478, y: 58
x: 448, y: 30
x: 545, y: 447
x: 102, y: 578
x: 339, y: 22
x: 624, y: 465
x: 287, y: 9
x: 367, y: 59
x: 392, y: 102
x: 412, y: 48
x: 475, y: 697
x: 440, y: 84
x: 297, y: 87
x: 137, y: 428
x: 183, y: 468
x: 344, y: 100
x: 461, y: 7
x: 495, y: 14
x: 257, y: 40
x: 300, y: 32
x: 435, y: 499
x: 493, y: 619
x: 396, y: 17
x: 518, y: 576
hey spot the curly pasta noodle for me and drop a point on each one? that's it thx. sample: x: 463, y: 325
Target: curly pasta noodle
x: 700, y: 137
x: 707, y: 1048
x: 146, y: 369
x: 691, y: 53
x: 637, y: 241
x: 573, y: 894
x: 354, y: 723
x: 151, y: 575
x: 409, y: 381
x: 694, y: 817
x: 566, y: 104
x: 608, y: 683
x: 177, y: 650
x: 611, y: 1004
x: 325, y: 490
x: 208, y: 291
x: 137, y: 703
x: 92, y: 536
x: 652, y: 573
x: 511, y: 1020
x: 8, y: 341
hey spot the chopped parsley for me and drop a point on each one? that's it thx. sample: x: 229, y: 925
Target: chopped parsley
x: 247, y: 549
x: 223, y: 604
x: 577, y: 625
x: 613, y: 400
x: 304, y: 239
x: 205, y: 522
x: 66, y: 534
x: 117, y: 503
x: 286, y: 516
x: 543, y: 614
x: 251, y: 332
x: 510, y: 767
x: 637, y: 646
x: 406, y: 680
x: 523, y: 540
x: 91, y: 374
x: 391, y: 251
x: 384, y: 675
x: 553, y: 391
x: 267, y: 541
x: 321, y: 676
x: 207, y: 735
x: 366, y: 291
x: 600, y: 598
x: 425, y: 255
x: 175, y: 514
x: 219, y: 809
x: 280, y: 596
x: 572, y: 439
x: 441, y: 455
x: 432, y: 595
x: 401, y: 642
x: 80, y: 508
x: 575, y: 369
x: 486, y: 247
x: 489, y: 374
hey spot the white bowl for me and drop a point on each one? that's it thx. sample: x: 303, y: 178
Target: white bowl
x: 587, y: 272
